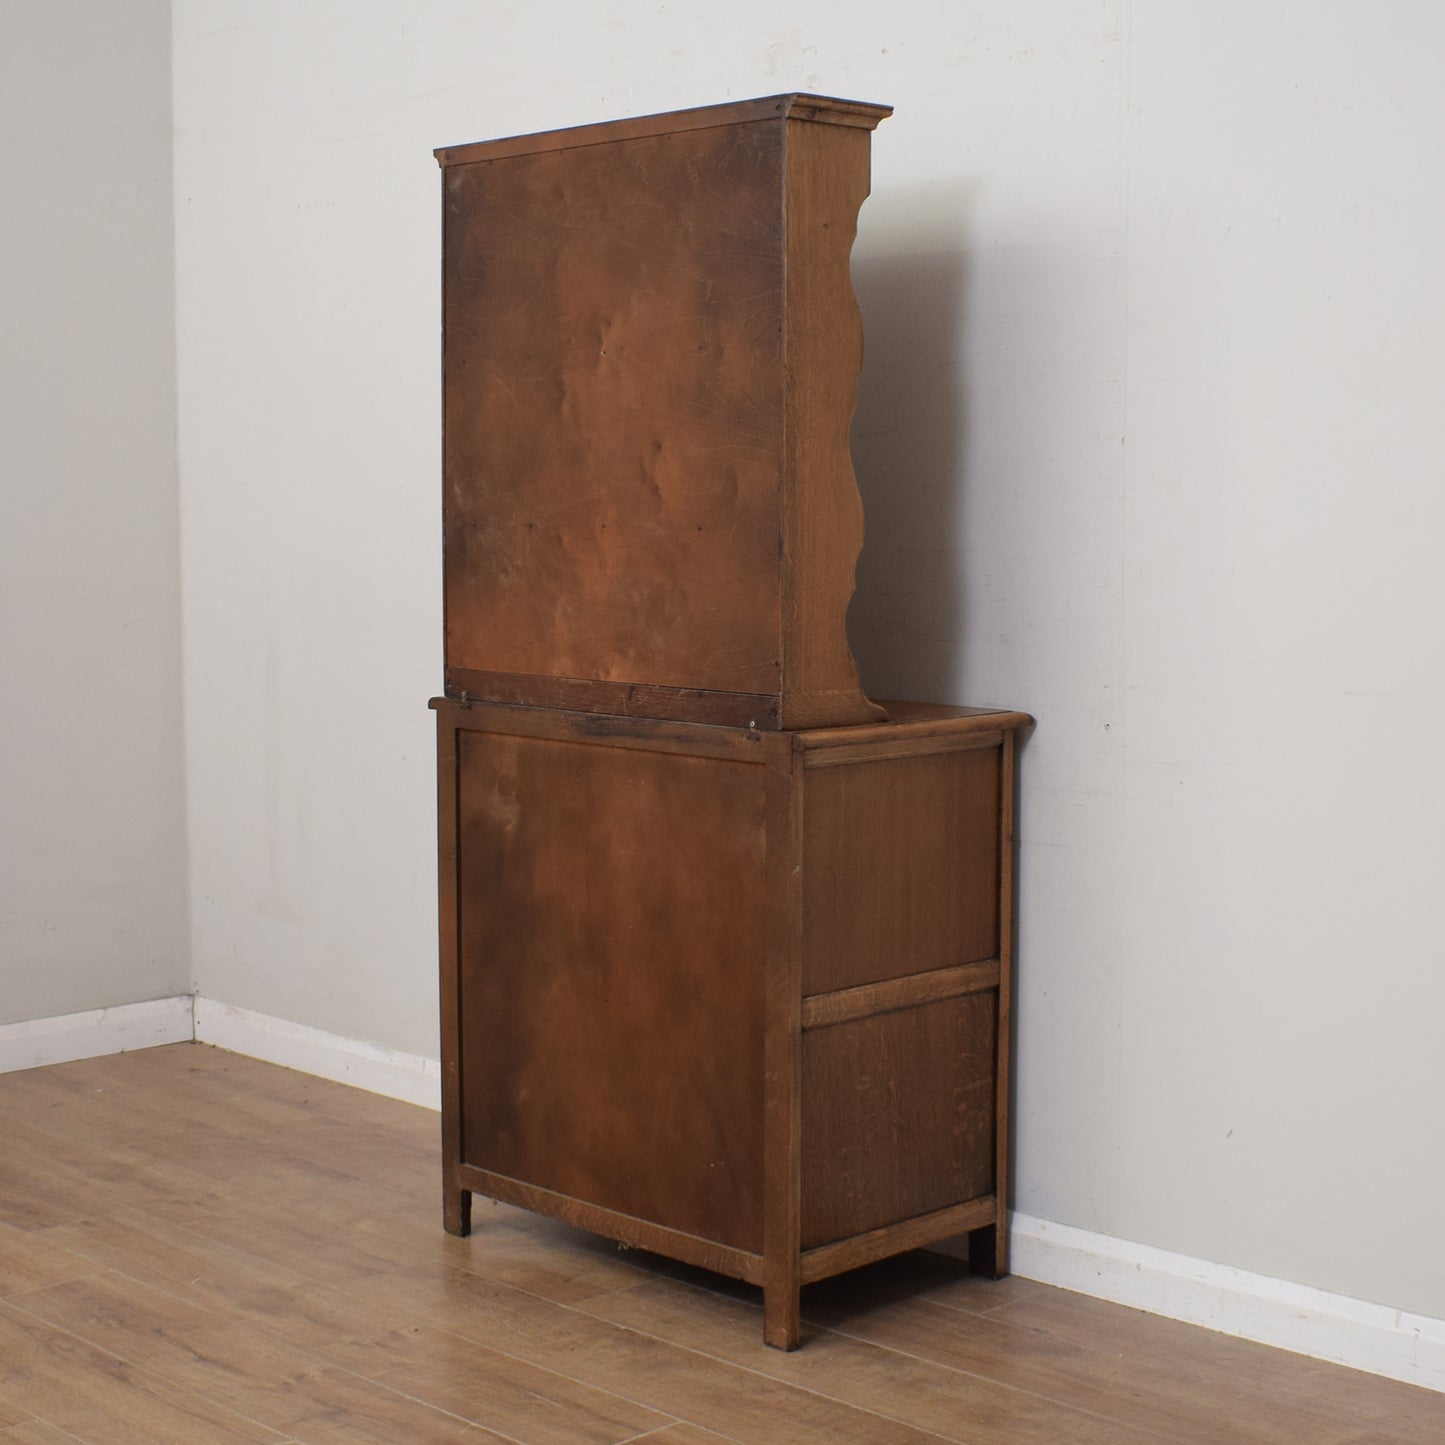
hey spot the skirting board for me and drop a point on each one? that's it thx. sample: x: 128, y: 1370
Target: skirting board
x: 88, y: 1035
x: 36, y: 1042
x: 1274, y: 1312
x: 411, y: 1077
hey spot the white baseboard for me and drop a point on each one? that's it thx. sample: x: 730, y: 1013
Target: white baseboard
x: 1275, y: 1312
x: 34, y: 1042
x: 411, y: 1077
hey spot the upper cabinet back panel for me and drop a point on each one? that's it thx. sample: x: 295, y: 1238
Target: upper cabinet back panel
x: 651, y: 351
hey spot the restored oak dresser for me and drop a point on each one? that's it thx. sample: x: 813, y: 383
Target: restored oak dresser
x: 725, y: 946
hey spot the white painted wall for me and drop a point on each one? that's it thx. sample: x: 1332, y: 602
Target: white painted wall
x: 1151, y: 444
x: 92, y: 850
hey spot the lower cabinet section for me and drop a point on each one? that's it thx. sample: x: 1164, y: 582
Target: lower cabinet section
x: 737, y: 997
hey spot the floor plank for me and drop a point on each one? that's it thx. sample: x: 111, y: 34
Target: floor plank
x: 200, y: 1247
x: 12, y: 1414
x: 103, y: 1399
x: 37, y: 1432
x: 28, y: 1261
x: 296, y: 1393
x: 1171, y: 1400
x: 718, y: 1396
x: 682, y: 1435
x: 524, y: 1401
x: 1394, y: 1410
x: 951, y: 1404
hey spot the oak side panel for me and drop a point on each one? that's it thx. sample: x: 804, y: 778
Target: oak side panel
x: 902, y: 870
x: 613, y: 359
x: 611, y: 977
x: 898, y: 1116
x: 827, y: 182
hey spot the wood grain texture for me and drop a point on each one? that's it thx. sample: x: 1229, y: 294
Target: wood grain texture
x: 989, y: 1248
x: 37, y: 1432
x: 666, y: 736
x: 898, y: 1116
x: 520, y: 1401
x: 532, y: 1321
x: 611, y: 990
x: 703, y: 1391
x: 822, y: 108
x: 97, y: 1395
x: 1259, y: 1391
x: 614, y: 392
x: 29, y: 1262
x: 858, y: 1250
x: 684, y: 1435
x: 911, y: 727
x: 783, y: 1052
x: 254, y: 1376
x: 456, y: 1199
x: 843, y: 1005
x: 651, y: 349
x: 618, y: 699
x: 847, y: 1365
x: 826, y: 183
x: 901, y: 870
x: 626, y: 1229
x: 1186, y: 1399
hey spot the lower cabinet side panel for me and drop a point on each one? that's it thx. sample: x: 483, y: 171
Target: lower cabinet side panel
x: 898, y: 1116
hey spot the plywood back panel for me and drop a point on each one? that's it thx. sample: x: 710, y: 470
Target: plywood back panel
x: 614, y: 411
x: 610, y: 976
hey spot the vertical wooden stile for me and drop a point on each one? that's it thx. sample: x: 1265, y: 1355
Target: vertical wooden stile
x: 988, y: 1248
x: 456, y: 1201
x: 782, y: 1130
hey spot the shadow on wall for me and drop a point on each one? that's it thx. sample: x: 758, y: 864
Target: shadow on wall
x: 906, y: 620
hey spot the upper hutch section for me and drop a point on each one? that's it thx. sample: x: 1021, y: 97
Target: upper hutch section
x: 651, y: 353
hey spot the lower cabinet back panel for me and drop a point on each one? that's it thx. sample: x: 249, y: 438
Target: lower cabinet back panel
x: 898, y: 1115
x: 611, y: 977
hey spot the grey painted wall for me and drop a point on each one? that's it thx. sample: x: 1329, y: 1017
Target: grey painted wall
x: 92, y: 846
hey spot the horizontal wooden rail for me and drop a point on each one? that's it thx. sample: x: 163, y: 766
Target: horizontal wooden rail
x: 861, y: 1249
x: 841, y: 754
x: 846, y: 1004
x: 625, y: 1228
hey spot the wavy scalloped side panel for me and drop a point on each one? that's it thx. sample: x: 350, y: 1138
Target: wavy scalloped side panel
x: 827, y: 182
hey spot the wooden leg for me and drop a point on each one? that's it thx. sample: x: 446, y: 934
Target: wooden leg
x: 457, y: 1210
x: 780, y: 1317
x: 988, y: 1251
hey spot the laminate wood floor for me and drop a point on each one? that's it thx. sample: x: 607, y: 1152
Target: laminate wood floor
x: 197, y: 1247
